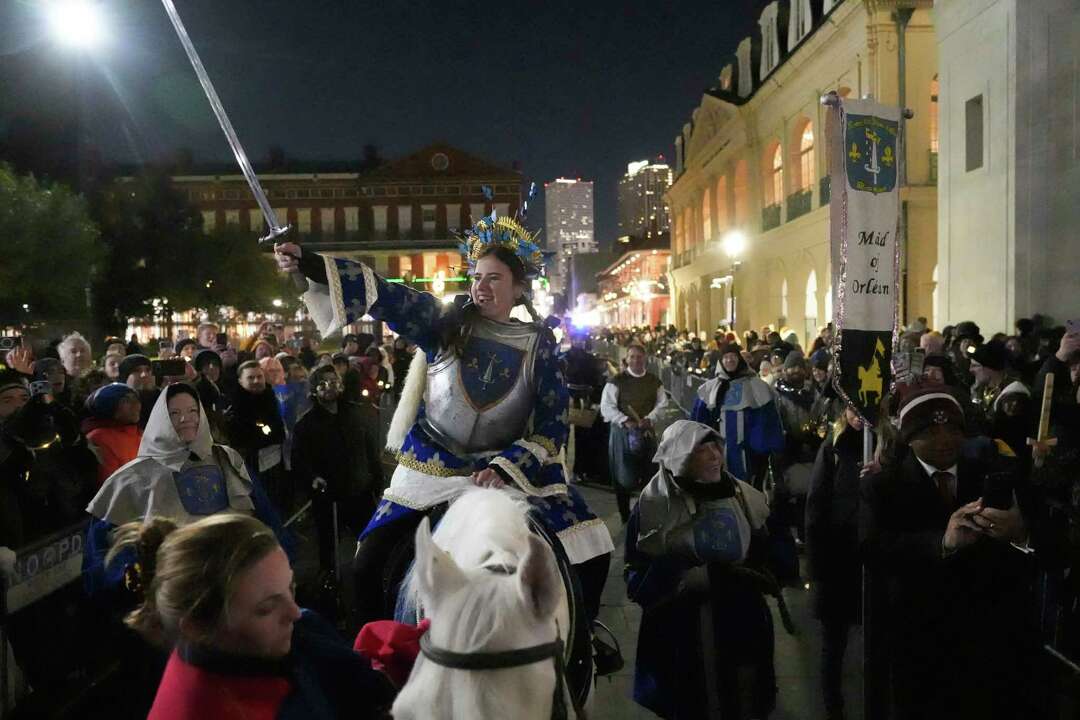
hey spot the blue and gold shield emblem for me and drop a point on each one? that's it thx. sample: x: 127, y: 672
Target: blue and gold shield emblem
x: 202, y: 490
x: 716, y: 536
x: 870, y: 148
x: 489, y: 370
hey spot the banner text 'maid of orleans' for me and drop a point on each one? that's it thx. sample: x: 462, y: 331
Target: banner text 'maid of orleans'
x: 865, y: 156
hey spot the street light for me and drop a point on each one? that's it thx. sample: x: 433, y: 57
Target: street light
x: 77, y: 24
x: 734, y: 243
x: 276, y: 302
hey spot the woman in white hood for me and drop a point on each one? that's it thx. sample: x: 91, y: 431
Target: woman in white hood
x: 180, y: 474
x: 705, y: 646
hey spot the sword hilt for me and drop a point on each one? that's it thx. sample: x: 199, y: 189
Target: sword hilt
x: 273, y: 238
x: 275, y: 234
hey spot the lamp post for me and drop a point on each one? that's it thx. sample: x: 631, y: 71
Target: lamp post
x: 733, y: 244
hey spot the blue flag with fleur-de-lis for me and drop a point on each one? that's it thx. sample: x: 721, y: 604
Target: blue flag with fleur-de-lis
x: 489, y: 370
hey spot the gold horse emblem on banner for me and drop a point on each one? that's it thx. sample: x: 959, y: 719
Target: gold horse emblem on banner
x: 870, y: 375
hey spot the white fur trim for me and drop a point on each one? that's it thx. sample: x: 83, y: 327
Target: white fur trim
x: 408, y: 406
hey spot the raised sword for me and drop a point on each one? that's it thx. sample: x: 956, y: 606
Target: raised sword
x: 276, y: 230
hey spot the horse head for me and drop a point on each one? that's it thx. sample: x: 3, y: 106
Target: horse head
x: 488, y: 587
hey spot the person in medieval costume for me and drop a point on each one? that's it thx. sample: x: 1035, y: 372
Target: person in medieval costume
x: 694, y: 558
x: 179, y: 473
x: 739, y: 405
x: 495, y: 409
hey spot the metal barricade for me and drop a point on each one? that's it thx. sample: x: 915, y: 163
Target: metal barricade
x: 39, y: 570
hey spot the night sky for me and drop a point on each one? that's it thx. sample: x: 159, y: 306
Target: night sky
x: 574, y: 89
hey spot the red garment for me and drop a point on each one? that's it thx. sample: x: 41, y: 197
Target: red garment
x: 188, y: 692
x: 391, y: 647
x: 114, y: 444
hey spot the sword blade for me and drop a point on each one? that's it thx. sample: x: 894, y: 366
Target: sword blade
x: 276, y: 229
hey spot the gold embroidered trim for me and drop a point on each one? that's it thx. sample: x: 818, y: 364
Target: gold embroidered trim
x: 545, y: 443
x: 397, y: 500
x: 438, y: 469
x: 585, y: 525
x: 337, y: 298
x: 518, y: 477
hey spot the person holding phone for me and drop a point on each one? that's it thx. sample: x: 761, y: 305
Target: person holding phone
x: 938, y: 528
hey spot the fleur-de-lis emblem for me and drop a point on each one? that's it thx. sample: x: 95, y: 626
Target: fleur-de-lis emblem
x: 887, y: 158
x: 854, y: 154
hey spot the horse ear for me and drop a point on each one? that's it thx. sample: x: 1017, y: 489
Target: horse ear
x: 539, y: 580
x: 436, y: 572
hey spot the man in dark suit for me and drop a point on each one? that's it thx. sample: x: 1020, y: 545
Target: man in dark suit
x: 941, y: 528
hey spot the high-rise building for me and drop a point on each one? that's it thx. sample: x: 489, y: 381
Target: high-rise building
x: 643, y: 213
x: 568, y: 224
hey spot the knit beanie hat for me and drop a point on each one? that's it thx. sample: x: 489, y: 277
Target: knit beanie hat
x: 206, y: 357
x: 103, y: 401
x: 926, y: 407
x: 129, y: 364
x: 992, y: 355
x: 12, y: 379
x: 820, y: 359
x: 795, y: 359
x: 966, y: 329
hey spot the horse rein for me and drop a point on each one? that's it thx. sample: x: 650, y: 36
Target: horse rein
x: 510, y: 659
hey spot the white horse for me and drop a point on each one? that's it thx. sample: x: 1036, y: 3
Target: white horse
x: 489, y: 586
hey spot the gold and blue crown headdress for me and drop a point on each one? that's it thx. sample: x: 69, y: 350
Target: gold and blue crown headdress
x: 492, y: 231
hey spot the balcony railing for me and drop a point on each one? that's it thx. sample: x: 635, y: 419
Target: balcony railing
x: 825, y: 190
x: 799, y: 203
x: 770, y: 217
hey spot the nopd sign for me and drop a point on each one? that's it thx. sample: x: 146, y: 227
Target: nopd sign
x: 44, y: 567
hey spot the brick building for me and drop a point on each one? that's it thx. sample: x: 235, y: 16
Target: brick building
x: 400, y: 218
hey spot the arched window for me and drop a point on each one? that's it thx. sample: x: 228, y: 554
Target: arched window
x: 932, y: 115
x: 721, y: 205
x: 811, y: 296
x: 828, y: 304
x: 806, y: 157
x: 810, y: 312
x: 742, y: 193
x: 783, y: 300
x: 706, y: 216
x: 774, y: 175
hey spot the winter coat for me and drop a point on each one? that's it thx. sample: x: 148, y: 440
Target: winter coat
x: 253, y: 422
x: 952, y: 625
x: 834, y: 567
x: 321, y: 678
x: 113, y: 443
x: 341, y: 448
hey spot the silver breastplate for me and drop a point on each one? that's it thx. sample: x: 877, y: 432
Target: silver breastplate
x: 482, y: 400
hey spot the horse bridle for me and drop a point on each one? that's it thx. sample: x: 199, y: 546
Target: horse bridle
x: 510, y: 659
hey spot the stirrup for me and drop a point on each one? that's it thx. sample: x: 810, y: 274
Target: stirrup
x: 607, y: 659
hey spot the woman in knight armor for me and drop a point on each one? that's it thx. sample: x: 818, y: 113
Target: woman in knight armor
x: 495, y: 409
